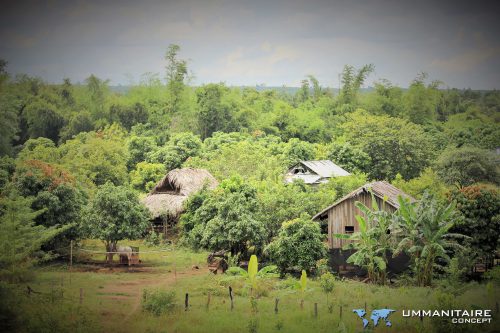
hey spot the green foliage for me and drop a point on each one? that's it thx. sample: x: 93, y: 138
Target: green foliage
x: 114, y: 214
x: 153, y: 238
x: 480, y: 208
x: 214, y: 114
x: 351, y: 83
x: 138, y: 148
x: 473, y: 128
x: 146, y: 175
x: 350, y: 158
x: 428, y: 181
x: 227, y: 219
x: 97, y: 157
x: 393, y: 144
x: 327, y: 283
x: 421, y: 101
x: 180, y: 147
x: 20, y: 239
x: 423, y: 231
x: 372, y: 242
x: 253, y: 268
x: 303, y: 281
x: 158, y: 301
x: 128, y: 116
x: 296, y: 150
x: 298, y: 245
x: 493, y: 275
x: 239, y: 158
x: 54, y: 191
x: 467, y: 165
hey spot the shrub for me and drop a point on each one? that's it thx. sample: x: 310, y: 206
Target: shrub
x: 158, y: 301
x: 298, y: 246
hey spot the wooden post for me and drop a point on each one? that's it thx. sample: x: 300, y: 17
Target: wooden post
x: 231, y: 297
x: 186, y: 302
x: 365, y: 306
x: 81, y: 295
x: 276, y: 301
x: 52, y: 292
x: 316, y: 310
x: 70, y: 260
x: 208, y: 301
x: 341, y: 312
x: 301, y: 304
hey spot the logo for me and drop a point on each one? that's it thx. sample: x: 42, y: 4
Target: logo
x: 376, y: 316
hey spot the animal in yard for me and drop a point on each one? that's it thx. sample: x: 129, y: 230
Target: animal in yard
x: 125, y: 253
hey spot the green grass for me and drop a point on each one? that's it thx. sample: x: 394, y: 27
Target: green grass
x: 112, y: 299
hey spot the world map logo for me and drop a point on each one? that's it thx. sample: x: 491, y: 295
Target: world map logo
x: 376, y: 316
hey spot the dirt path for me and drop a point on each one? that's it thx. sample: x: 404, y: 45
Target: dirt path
x: 130, y: 291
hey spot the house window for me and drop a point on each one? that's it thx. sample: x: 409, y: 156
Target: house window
x: 349, y: 229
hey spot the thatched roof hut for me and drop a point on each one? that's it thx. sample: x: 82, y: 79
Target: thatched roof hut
x: 167, y: 197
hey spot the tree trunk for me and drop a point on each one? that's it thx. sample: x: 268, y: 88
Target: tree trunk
x: 110, y: 247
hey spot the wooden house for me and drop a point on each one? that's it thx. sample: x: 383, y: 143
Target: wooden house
x: 341, y: 215
x: 340, y: 218
x: 314, y: 172
x: 166, y: 200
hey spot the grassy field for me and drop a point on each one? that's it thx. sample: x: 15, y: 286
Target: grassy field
x: 112, y: 297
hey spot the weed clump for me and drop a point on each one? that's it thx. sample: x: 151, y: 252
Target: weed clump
x: 158, y: 301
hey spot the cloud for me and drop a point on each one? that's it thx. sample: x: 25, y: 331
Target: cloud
x: 467, y: 61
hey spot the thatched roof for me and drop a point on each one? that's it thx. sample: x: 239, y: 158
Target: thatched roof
x: 184, y: 181
x: 168, y: 196
x: 381, y: 189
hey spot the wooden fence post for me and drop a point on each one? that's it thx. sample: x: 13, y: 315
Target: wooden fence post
x: 341, y: 312
x: 52, y: 291
x: 186, y: 302
x: 301, y: 304
x: 208, y: 301
x: 315, y: 310
x: 231, y: 297
x: 81, y: 295
x: 70, y: 260
x: 276, y: 301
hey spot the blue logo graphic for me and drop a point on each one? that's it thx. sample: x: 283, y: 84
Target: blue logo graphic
x: 375, y: 316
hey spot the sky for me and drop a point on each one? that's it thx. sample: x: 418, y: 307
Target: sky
x: 269, y: 42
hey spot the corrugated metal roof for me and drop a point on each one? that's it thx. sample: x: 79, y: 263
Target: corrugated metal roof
x: 325, y: 168
x: 307, y: 178
x: 380, y: 189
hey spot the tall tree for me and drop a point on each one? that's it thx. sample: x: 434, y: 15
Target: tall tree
x: 352, y: 81
x: 176, y: 75
x: 115, y: 214
x: 213, y: 114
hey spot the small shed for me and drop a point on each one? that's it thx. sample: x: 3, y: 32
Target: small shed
x: 314, y: 172
x: 166, y: 199
x: 341, y: 215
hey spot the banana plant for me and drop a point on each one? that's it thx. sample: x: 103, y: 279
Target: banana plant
x: 372, y: 242
x: 253, y: 273
x: 422, y: 231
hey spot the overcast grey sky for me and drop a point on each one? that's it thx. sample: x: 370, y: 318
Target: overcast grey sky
x: 253, y: 42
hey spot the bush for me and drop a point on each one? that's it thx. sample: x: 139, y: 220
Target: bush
x: 153, y: 238
x: 298, y: 246
x: 158, y: 301
x: 493, y: 275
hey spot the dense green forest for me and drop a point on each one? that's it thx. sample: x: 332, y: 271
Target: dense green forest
x: 64, y: 145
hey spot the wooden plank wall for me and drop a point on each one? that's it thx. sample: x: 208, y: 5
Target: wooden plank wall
x: 344, y: 214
